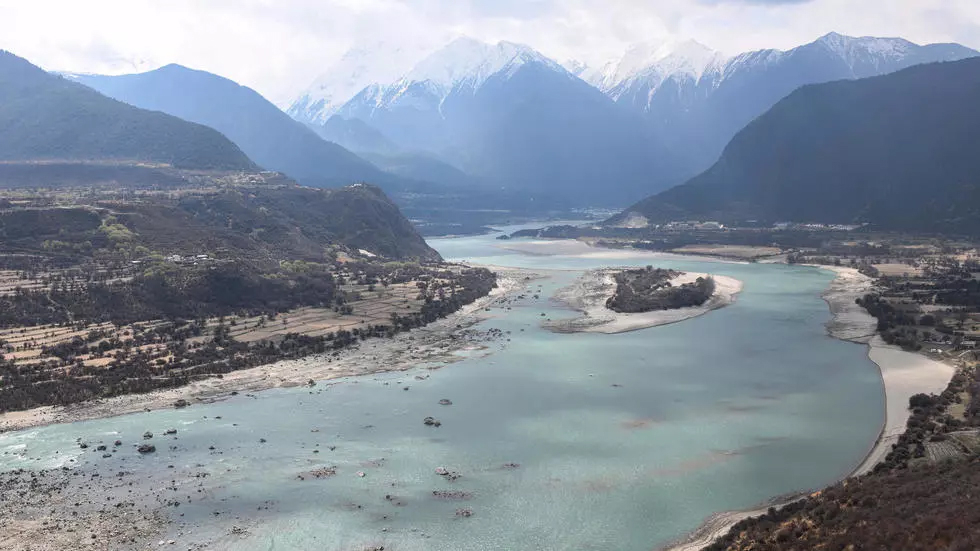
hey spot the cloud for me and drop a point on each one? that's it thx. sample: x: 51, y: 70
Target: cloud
x: 280, y: 46
x: 762, y: 2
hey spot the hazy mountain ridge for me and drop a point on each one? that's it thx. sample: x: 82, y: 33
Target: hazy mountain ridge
x: 700, y: 100
x: 269, y: 136
x: 358, y: 68
x: 899, y: 151
x: 46, y: 117
x: 507, y: 114
x: 678, y: 104
x: 60, y: 135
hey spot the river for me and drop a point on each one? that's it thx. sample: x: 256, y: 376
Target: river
x: 562, y: 441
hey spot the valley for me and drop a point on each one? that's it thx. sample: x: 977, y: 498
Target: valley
x: 359, y: 424
x: 549, y: 276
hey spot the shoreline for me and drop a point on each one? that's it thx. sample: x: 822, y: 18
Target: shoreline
x: 589, y: 294
x: 405, y: 351
x: 581, y: 249
x: 902, y: 374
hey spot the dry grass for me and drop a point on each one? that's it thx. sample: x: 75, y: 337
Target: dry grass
x: 898, y: 270
x: 10, y: 280
x: 969, y: 439
x: 374, y: 307
x: 958, y: 410
x: 940, y: 451
x: 25, y: 345
x: 730, y: 251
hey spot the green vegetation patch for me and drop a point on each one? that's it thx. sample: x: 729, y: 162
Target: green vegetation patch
x: 650, y: 289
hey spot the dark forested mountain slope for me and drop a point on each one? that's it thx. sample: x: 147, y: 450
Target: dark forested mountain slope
x: 44, y: 117
x: 900, y: 151
x: 286, y: 222
x: 265, y: 220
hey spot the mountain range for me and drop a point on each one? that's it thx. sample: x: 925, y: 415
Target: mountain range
x: 494, y: 126
x: 266, y: 134
x: 44, y: 117
x: 700, y: 98
x: 357, y: 69
x: 509, y: 115
x: 899, y: 151
x: 55, y: 133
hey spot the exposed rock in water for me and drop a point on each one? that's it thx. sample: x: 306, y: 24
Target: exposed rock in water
x: 171, y: 432
x: 146, y: 448
x: 431, y: 422
x: 452, y: 494
x: 323, y: 472
x: 181, y: 403
x: 445, y: 402
x: 451, y: 476
x: 147, y: 435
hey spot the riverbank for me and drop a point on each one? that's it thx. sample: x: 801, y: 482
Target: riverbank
x: 590, y: 292
x: 583, y: 249
x: 437, y: 344
x: 903, y: 375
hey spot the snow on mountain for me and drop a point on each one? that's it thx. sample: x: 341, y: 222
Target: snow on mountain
x: 464, y: 65
x: 381, y: 75
x: 846, y: 47
x: 656, y: 60
x: 357, y: 69
x: 645, y: 67
x: 115, y: 66
x: 575, y: 66
x: 469, y: 63
x: 876, y: 51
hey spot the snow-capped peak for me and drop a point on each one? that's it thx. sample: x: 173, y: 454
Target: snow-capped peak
x: 657, y: 60
x: 576, y: 67
x: 358, y: 68
x: 471, y: 62
x: 847, y: 47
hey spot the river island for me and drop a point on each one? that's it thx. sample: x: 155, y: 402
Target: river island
x: 621, y: 300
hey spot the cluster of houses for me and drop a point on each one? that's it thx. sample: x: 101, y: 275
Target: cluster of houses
x: 694, y: 225
x: 817, y: 227
x: 193, y: 259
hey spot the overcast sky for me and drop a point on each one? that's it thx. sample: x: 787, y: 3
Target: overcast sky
x: 279, y: 46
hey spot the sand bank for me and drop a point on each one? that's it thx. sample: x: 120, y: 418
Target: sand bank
x: 850, y: 321
x: 591, y: 291
x: 582, y: 249
x: 905, y: 374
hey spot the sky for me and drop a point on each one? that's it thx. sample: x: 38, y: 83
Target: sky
x: 279, y: 47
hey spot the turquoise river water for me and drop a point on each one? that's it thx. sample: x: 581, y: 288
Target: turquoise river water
x: 622, y: 442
